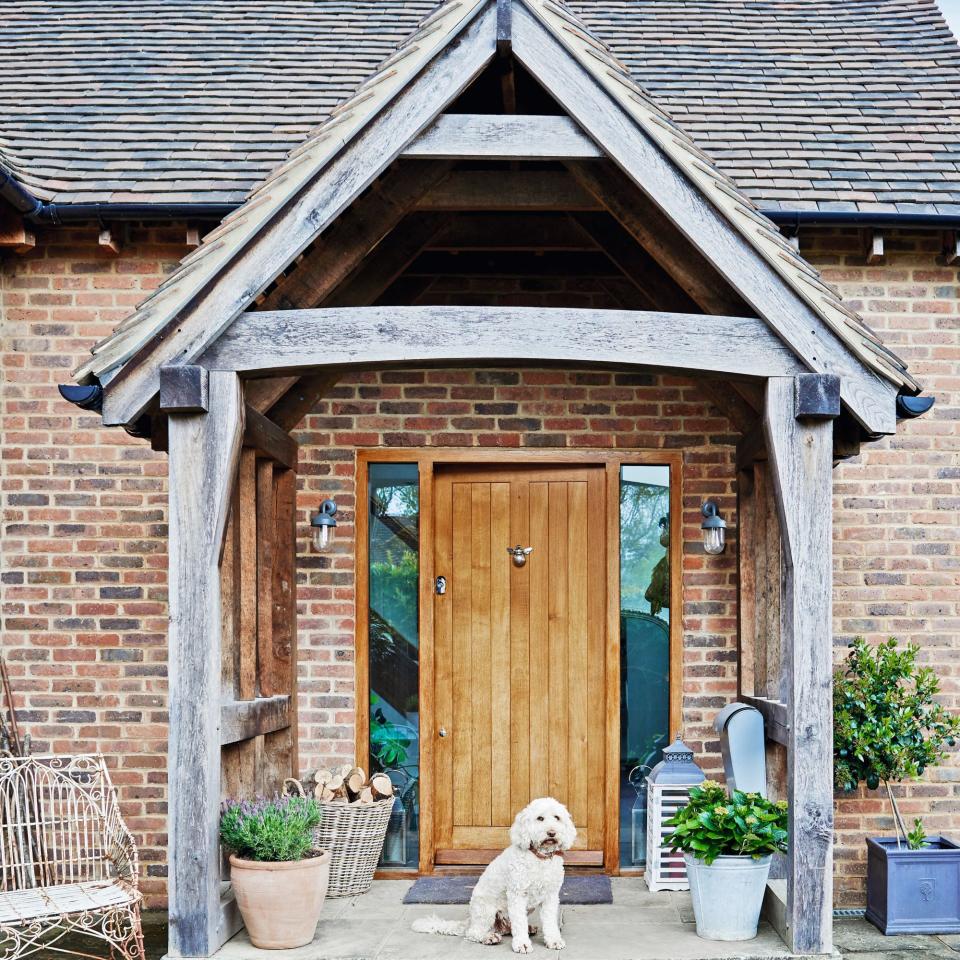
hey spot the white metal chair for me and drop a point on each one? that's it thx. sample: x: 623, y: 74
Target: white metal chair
x: 68, y: 864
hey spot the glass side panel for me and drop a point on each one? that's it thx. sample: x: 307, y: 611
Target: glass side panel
x: 644, y: 644
x: 393, y: 506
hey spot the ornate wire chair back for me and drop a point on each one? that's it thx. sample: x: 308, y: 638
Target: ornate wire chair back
x: 60, y: 823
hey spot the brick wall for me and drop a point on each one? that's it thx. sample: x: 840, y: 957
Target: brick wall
x: 529, y: 408
x: 83, y: 561
x: 84, y: 522
x: 897, y: 530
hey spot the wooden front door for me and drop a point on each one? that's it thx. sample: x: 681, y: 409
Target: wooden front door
x: 519, y: 654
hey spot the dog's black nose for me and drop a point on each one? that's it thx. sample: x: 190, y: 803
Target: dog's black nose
x: 551, y: 833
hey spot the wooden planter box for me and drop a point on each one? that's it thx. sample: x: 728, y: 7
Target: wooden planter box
x: 913, y: 891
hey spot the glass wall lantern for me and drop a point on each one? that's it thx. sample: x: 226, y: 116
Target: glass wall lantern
x: 323, y: 525
x: 713, y: 527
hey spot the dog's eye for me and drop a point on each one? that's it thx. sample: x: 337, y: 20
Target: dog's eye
x: 540, y: 819
x: 556, y: 816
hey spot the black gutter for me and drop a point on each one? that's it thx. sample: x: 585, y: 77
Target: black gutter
x: 793, y: 220
x: 40, y: 213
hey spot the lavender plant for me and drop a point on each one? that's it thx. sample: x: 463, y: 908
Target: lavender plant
x: 272, y: 831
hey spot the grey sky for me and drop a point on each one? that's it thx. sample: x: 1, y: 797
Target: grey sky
x: 951, y: 10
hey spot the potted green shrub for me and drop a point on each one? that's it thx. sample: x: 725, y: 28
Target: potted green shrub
x: 279, y: 880
x: 727, y: 842
x: 888, y: 727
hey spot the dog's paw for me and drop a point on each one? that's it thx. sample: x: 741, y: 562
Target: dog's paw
x: 522, y: 946
x: 492, y: 939
x: 554, y: 943
x: 532, y: 930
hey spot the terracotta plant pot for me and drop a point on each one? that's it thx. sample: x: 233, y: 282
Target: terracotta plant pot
x: 280, y: 902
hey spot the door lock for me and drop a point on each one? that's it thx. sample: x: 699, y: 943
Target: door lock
x: 441, y: 586
x: 442, y: 731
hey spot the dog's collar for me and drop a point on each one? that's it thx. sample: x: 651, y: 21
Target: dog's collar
x: 545, y: 856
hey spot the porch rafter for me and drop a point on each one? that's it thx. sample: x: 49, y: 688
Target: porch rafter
x: 278, y: 342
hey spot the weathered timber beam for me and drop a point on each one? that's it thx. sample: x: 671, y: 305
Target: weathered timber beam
x: 800, y: 472
x: 222, y: 294
x: 509, y: 190
x: 751, y: 446
x: 701, y: 221
x: 183, y: 389
x: 776, y: 724
x: 455, y: 136
x: 246, y: 719
x: 625, y: 295
x: 14, y: 234
x: 301, y: 398
x: 272, y: 342
x: 873, y: 253
x: 651, y: 228
x: 725, y: 397
x: 269, y: 439
x: 390, y: 258
x: 512, y: 231
x: 336, y: 254
x: 642, y: 270
x: 263, y: 394
x: 204, y: 452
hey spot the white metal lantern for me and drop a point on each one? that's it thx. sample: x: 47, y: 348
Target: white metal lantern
x: 668, y: 789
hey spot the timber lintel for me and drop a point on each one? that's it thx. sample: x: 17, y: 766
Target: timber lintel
x: 246, y: 719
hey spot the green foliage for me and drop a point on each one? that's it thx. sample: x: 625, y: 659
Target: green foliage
x: 886, y: 724
x: 389, y: 742
x: 917, y: 837
x: 713, y: 824
x: 270, y: 831
x: 394, y: 595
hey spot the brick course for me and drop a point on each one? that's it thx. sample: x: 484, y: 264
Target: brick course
x: 84, y: 508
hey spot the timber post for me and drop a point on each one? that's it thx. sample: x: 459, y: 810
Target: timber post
x: 203, y: 455
x: 799, y: 446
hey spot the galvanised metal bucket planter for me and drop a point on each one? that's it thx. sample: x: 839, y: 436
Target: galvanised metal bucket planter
x: 727, y: 895
x: 913, y: 891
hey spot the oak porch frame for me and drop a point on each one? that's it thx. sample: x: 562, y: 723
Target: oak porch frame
x: 232, y: 500
x: 427, y: 459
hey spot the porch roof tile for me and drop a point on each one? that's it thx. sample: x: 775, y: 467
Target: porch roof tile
x: 199, y: 100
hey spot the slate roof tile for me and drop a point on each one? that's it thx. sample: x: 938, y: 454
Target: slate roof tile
x: 199, y: 99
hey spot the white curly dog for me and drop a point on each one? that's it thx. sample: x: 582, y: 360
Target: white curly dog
x: 527, y: 875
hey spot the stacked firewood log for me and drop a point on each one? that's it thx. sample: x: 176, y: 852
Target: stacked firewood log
x: 349, y: 784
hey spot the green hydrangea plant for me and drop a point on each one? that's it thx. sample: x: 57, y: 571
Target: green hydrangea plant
x: 269, y: 831
x: 887, y: 724
x: 714, y: 824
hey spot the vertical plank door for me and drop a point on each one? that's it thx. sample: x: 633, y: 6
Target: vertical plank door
x: 519, y: 711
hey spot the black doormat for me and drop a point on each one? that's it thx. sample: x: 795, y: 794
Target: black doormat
x: 589, y: 888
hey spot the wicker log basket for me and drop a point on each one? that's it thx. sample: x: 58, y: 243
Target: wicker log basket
x: 353, y: 825
x: 354, y: 835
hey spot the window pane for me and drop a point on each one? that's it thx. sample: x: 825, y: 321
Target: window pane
x: 394, y: 557
x: 644, y: 644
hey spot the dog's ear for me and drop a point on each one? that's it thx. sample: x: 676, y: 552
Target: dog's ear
x: 520, y: 831
x: 569, y: 833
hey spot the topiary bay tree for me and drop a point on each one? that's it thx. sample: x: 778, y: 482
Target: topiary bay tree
x: 888, y: 726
